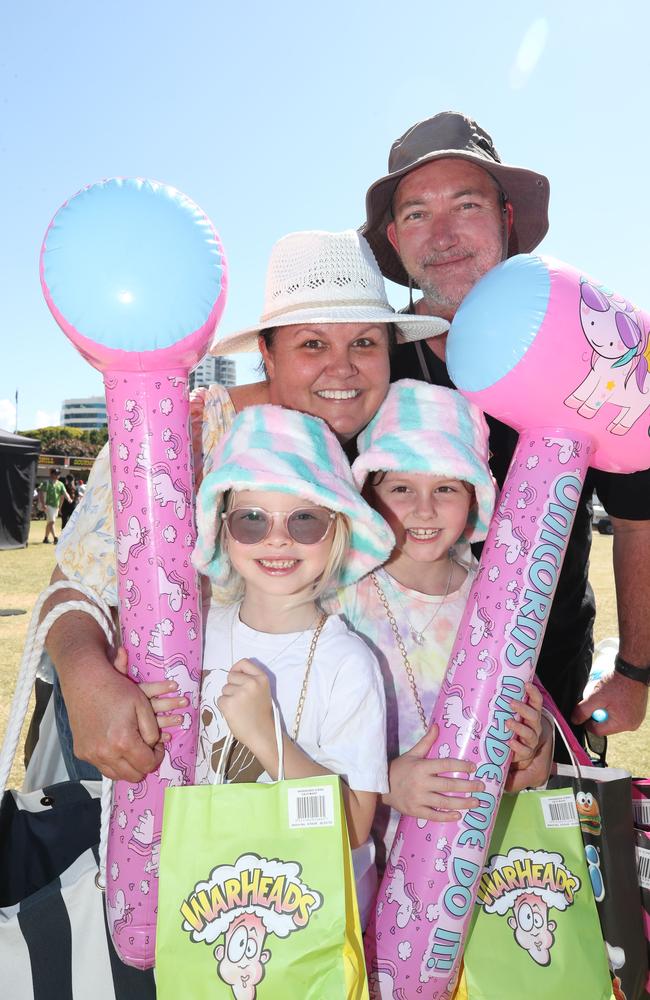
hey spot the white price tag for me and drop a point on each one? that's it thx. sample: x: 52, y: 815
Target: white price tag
x: 641, y: 809
x: 311, y: 807
x: 643, y: 866
x: 559, y: 810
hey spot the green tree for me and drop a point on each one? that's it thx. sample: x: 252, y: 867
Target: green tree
x: 68, y: 441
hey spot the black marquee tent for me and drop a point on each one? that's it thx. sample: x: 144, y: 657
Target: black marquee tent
x: 18, y: 463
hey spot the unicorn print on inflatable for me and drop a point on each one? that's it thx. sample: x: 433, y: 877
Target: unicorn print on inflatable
x: 618, y: 337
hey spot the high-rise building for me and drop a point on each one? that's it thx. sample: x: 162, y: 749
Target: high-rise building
x: 88, y: 414
x: 210, y: 370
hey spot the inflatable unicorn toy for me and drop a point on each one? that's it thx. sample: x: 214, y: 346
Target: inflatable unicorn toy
x: 134, y: 273
x: 517, y: 349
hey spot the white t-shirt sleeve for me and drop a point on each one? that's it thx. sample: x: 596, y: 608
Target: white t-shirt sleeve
x: 352, y: 739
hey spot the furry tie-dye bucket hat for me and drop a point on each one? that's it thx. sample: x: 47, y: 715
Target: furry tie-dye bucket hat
x: 432, y: 430
x: 271, y: 448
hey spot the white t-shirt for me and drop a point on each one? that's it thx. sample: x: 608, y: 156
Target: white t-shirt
x: 343, y: 723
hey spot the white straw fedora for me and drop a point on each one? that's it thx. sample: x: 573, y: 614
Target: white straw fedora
x: 320, y: 277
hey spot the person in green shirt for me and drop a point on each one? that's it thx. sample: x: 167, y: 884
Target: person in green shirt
x: 52, y: 494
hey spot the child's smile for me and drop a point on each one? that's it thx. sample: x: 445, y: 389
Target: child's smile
x: 278, y: 564
x: 428, y: 515
x: 422, y: 534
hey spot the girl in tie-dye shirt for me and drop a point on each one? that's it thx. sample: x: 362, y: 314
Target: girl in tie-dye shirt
x: 423, y: 464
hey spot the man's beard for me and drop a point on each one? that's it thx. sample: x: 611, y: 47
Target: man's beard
x: 433, y: 293
x: 435, y: 297
x: 450, y: 298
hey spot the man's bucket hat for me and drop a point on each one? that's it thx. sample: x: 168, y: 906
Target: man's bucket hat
x: 450, y: 135
x: 320, y: 277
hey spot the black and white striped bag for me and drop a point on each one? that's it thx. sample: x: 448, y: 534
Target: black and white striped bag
x: 54, y: 939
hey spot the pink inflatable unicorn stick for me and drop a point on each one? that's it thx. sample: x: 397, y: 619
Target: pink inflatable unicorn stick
x: 134, y: 273
x: 517, y: 349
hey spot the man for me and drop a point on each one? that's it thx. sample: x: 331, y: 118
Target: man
x: 447, y: 211
x: 52, y: 494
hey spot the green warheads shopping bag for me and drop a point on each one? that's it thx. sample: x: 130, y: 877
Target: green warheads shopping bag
x: 535, y: 931
x: 257, y: 896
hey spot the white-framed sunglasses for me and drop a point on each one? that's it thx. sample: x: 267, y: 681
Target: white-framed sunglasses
x: 305, y: 525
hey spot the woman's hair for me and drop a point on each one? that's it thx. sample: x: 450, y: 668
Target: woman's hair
x: 234, y: 588
x: 268, y: 337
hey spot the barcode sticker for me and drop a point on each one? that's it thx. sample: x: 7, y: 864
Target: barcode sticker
x: 643, y: 866
x: 559, y: 810
x: 311, y: 807
x: 641, y: 812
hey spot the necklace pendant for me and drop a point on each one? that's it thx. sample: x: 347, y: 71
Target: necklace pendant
x: 417, y: 637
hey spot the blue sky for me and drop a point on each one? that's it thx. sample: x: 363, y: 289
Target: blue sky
x: 277, y: 117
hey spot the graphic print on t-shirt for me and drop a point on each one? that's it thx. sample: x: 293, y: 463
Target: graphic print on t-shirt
x: 241, y: 765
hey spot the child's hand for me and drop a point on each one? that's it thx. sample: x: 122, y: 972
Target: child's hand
x: 155, y: 690
x: 245, y: 703
x: 417, y: 788
x: 532, y: 745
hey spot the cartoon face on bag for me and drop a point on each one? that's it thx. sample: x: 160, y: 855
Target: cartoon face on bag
x: 242, y: 957
x: 588, y: 813
x: 245, y: 902
x: 533, y: 930
x: 528, y: 885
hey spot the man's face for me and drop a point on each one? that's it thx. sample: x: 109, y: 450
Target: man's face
x: 449, y: 228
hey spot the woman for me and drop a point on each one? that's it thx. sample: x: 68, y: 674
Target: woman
x: 324, y: 338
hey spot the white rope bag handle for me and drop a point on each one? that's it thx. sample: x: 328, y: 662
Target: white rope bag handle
x: 97, y: 608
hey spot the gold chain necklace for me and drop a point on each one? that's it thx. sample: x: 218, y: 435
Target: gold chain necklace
x: 402, y: 648
x: 303, y: 690
x: 418, y: 634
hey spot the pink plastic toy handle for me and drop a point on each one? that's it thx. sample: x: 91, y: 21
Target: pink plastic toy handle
x: 134, y: 273
x: 160, y: 618
x: 427, y: 894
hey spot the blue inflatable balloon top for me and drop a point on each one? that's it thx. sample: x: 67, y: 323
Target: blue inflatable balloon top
x: 132, y: 265
x: 492, y: 331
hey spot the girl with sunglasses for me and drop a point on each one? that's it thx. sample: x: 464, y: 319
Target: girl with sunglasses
x: 281, y: 523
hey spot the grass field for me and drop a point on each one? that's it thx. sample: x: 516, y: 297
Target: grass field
x: 24, y: 572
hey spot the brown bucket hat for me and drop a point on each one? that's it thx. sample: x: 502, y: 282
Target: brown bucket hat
x: 445, y: 136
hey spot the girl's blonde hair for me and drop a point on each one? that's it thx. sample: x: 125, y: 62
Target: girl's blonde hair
x: 234, y: 588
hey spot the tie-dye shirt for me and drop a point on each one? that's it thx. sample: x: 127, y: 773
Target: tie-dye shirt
x: 362, y: 609
x: 86, y: 548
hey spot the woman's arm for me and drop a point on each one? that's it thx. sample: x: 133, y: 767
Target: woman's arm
x: 112, y: 722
